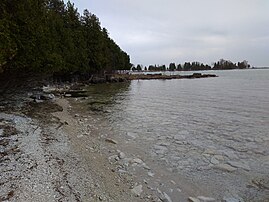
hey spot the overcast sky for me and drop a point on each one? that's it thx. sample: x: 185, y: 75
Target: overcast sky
x: 164, y: 31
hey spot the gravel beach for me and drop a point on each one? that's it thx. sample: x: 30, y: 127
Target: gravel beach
x: 49, y: 154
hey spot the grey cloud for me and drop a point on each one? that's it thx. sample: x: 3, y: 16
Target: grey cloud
x: 162, y: 31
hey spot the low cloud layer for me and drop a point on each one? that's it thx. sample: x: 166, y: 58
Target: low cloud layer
x: 164, y: 31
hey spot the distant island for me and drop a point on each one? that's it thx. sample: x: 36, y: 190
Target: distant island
x: 194, y: 66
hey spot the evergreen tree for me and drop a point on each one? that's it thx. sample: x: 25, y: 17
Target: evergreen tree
x: 51, y: 36
x: 172, y: 67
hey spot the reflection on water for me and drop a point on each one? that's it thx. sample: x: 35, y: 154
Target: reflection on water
x: 102, y: 97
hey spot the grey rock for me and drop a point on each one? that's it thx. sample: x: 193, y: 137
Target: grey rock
x: 160, y: 149
x: 265, y: 160
x: 237, y: 164
x: 151, y: 174
x: 206, y: 199
x: 164, y: 143
x: 137, y: 190
x: 211, y: 152
x: 121, y: 155
x: 136, y: 160
x: 225, y: 167
x: 214, y: 161
x: 146, y: 166
x: 132, y: 135
x: 230, y: 155
x: 38, y: 101
x: 109, y: 140
x: 67, y: 95
x: 79, y: 136
x: 114, y: 157
x: 193, y: 199
x: 232, y: 199
x: 166, y: 198
x: 43, y: 96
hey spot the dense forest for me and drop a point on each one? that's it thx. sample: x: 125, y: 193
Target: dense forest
x: 49, y: 36
x: 194, y: 66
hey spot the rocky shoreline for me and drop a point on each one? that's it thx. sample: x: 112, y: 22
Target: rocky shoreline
x: 51, y: 149
x: 168, y: 77
x: 115, y: 78
x: 43, y: 158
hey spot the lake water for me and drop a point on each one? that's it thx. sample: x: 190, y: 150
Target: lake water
x: 211, y: 132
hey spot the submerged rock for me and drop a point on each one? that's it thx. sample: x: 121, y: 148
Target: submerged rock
x: 225, y: 167
x: 232, y: 199
x: 237, y: 164
x: 214, y: 161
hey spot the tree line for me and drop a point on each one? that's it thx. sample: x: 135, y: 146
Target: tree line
x: 50, y: 36
x: 194, y: 66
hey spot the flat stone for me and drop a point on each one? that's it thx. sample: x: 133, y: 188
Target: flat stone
x: 230, y: 155
x: 164, y: 144
x: 137, y: 190
x: 146, y: 166
x: 173, y: 182
x: 111, y: 141
x: 231, y: 199
x: 219, y: 157
x: 160, y: 149
x: 166, y: 198
x: 178, y: 142
x: 132, y: 135
x: 250, y: 139
x: 206, y: 199
x: 259, y: 140
x: 179, y: 137
x: 151, y: 174
x: 192, y: 199
x: 265, y: 138
x: 38, y: 101
x: 211, y: 151
x: 114, y: 157
x: 237, y: 164
x: 137, y: 160
x: 225, y: 167
x: 265, y: 160
x: 214, y: 161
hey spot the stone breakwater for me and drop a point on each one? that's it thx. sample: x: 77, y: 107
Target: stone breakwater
x: 168, y: 77
x: 115, y: 78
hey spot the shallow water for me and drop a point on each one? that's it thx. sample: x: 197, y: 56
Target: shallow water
x: 194, y: 127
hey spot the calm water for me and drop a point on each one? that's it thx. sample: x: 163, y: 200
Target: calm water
x: 184, y: 123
